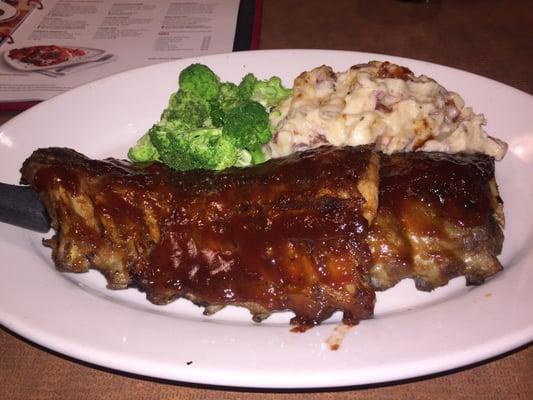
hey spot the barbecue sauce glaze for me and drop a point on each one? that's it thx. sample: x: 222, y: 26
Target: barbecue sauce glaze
x: 285, y: 235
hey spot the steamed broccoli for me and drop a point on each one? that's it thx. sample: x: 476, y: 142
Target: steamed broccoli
x: 159, y: 137
x: 228, y: 99
x: 186, y: 111
x: 205, y: 148
x: 143, y: 150
x: 249, y: 128
x: 200, y: 81
x: 268, y: 93
x: 229, y: 96
x: 209, y: 124
x: 247, y: 85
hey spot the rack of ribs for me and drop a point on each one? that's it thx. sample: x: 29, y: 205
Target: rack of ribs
x: 440, y: 216
x: 313, y: 233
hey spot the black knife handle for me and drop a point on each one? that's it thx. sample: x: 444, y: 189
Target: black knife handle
x: 21, y: 206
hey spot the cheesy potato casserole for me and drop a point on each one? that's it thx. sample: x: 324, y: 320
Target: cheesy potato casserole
x: 380, y: 103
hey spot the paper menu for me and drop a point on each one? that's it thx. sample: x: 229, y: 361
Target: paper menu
x: 71, y: 42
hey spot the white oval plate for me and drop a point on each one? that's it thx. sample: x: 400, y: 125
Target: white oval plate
x: 413, y: 334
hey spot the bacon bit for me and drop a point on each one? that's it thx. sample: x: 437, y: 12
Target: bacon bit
x: 452, y: 111
x: 419, y: 143
x: 388, y: 70
x: 318, y: 138
x: 382, y: 107
x: 383, y: 141
x: 420, y: 129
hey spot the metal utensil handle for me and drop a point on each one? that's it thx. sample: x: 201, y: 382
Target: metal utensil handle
x: 103, y: 58
x: 21, y: 206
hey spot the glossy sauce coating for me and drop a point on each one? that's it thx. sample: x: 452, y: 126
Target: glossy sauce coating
x: 453, y: 185
x: 285, y: 235
x: 290, y: 234
x: 437, y: 219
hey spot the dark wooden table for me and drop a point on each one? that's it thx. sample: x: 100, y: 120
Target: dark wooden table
x: 487, y: 37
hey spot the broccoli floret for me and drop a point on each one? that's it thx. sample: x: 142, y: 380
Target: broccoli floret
x: 249, y: 128
x: 205, y: 148
x: 217, y: 115
x: 199, y: 81
x: 247, y: 85
x: 186, y: 111
x: 190, y: 107
x: 143, y: 150
x: 229, y: 96
x: 270, y: 93
x: 228, y: 99
x: 244, y: 158
x: 159, y: 136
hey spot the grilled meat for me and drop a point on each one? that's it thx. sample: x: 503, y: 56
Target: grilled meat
x: 286, y: 235
x: 439, y: 217
x: 304, y: 233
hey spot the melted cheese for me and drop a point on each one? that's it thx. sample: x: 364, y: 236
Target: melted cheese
x: 371, y: 103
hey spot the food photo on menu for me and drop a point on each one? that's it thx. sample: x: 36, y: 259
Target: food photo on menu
x: 55, y: 61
